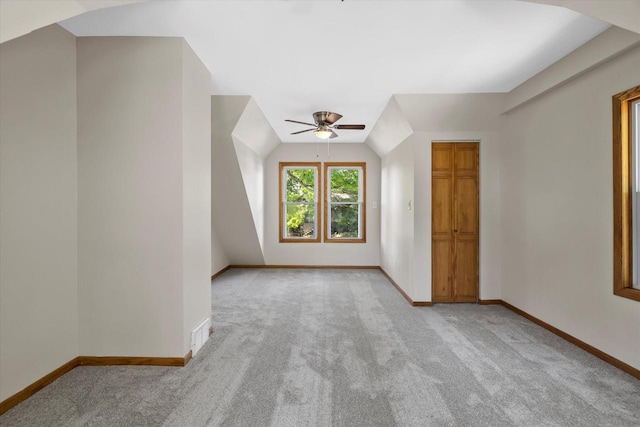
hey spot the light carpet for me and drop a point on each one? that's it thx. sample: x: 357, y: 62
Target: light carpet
x: 297, y: 347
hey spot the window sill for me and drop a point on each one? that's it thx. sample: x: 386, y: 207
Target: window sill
x: 630, y: 293
x: 299, y: 240
x: 345, y: 241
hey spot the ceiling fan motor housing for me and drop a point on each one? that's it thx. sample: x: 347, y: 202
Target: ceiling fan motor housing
x: 325, y: 117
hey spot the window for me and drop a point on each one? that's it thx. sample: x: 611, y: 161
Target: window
x: 299, y: 202
x: 626, y: 113
x: 344, y: 189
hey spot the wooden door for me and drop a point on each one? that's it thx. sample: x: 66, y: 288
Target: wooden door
x: 454, y: 222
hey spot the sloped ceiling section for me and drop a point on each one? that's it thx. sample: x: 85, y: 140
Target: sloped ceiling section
x: 390, y: 130
x: 452, y: 112
x: 231, y: 213
x: 20, y: 17
x: 252, y: 171
x: 255, y: 131
x: 407, y: 114
x: 621, y: 13
x: 598, y: 50
x: 254, y: 139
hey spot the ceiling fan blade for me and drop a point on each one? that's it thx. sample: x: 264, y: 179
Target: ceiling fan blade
x: 333, y: 135
x: 351, y: 127
x: 302, y: 123
x: 332, y: 118
x: 303, y: 131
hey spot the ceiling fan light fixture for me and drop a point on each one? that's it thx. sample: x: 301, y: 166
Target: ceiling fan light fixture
x: 323, y: 133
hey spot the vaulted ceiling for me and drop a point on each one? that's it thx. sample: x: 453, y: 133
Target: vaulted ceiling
x: 297, y: 57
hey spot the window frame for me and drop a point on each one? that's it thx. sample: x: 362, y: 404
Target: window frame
x: 282, y: 201
x: 622, y: 194
x: 362, y: 201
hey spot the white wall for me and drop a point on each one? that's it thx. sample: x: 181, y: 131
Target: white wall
x: 452, y: 112
x: 219, y: 259
x: 105, y: 200
x: 130, y: 197
x: 360, y: 254
x: 196, y: 191
x: 557, y: 214
x: 396, y: 219
x: 253, y: 140
x: 252, y: 172
x: 231, y: 215
x: 38, y: 207
x: 225, y: 113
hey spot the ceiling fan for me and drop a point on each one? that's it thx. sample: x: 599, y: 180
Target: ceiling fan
x: 325, y: 124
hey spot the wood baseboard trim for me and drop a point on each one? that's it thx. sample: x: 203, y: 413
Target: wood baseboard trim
x: 490, y: 301
x: 32, y: 389
x: 422, y: 303
x: 398, y: 288
x: 404, y: 294
x: 220, y: 272
x: 575, y: 341
x: 125, y: 360
x: 321, y: 267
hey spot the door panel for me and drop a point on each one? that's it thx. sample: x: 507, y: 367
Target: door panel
x: 465, y: 157
x: 466, y: 205
x: 466, y: 272
x: 442, y: 218
x: 455, y: 222
x: 441, y: 270
x: 441, y: 159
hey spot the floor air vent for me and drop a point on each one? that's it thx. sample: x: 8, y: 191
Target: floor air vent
x: 199, y: 336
